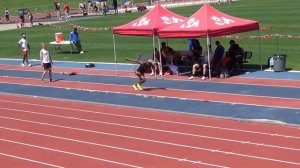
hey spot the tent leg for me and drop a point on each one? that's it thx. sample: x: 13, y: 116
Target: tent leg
x: 160, y: 61
x: 115, y: 55
x: 154, y: 55
x: 259, y: 50
x: 208, y: 54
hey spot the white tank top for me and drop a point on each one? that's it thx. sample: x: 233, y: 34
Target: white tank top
x: 45, y: 56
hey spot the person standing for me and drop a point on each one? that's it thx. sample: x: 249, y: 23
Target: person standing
x: 58, y: 12
x: 55, y: 2
x: 24, y: 45
x: 74, y: 38
x: 67, y: 11
x: 46, y: 62
x: 6, y: 12
x: 115, y: 5
x: 30, y: 17
x: 22, y: 20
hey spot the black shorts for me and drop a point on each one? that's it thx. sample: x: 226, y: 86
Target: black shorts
x: 47, y: 66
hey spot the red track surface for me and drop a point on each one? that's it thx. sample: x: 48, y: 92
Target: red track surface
x: 40, y: 132
x: 238, y: 80
x: 73, y: 134
x: 181, y: 94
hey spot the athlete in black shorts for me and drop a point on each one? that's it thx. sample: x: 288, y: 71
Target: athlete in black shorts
x: 140, y: 72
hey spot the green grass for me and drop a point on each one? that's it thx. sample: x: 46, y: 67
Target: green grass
x: 280, y: 15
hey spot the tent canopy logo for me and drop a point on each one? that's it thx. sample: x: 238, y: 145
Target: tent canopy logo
x: 221, y: 20
x: 142, y: 22
x: 170, y: 20
x: 192, y: 22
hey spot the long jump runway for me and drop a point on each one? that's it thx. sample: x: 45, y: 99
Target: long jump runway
x: 98, y: 120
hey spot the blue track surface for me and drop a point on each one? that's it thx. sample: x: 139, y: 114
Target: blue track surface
x: 269, y: 91
x: 227, y: 110
x: 191, y: 106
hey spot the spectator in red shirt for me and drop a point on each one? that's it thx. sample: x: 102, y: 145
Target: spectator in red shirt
x: 67, y: 11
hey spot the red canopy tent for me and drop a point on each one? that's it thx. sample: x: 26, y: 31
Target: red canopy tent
x: 208, y: 22
x: 148, y: 24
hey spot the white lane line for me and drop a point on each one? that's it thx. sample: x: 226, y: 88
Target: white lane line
x: 65, y: 152
x: 176, y: 79
x: 155, y: 141
x: 170, y: 97
x: 107, y: 146
x: 151, y: 119
x: 30, y: 160
x: 156, y: 130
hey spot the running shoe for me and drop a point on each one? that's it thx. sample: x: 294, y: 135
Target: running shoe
x: 139, y: 86
x: 191, y: 78
x: 135, y: 87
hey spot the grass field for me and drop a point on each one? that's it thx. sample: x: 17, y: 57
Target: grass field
x: 279, y: 17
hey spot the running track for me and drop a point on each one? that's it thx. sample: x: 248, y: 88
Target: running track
x: 74, y: 128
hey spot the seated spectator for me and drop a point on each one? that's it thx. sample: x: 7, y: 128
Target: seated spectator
x: 218, y: 55
x: 228, y: 63
x: 171, y: 62
x: 167, y: 53
x: 239, y: 56
x: 156, y: 62
x: 206, y: 60
x: 196, y: 49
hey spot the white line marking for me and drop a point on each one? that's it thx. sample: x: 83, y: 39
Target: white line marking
x: 151, y: 119
x: 107, y: 146
x: 66, y: 152
x: 30, y: 160
x: 155, y: 141
x: 154, y: 129
x: 171, y: 97
x: 238, y: 83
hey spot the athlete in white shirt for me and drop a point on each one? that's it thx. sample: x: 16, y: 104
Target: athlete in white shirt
x: 24, y: 45
x: 46, y: 62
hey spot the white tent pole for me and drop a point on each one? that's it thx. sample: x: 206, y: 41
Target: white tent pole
x: 153, y: 53
x: 208, y: 54
x: 153, y: 43
x: 259, y: 50
x: 115, y: 54
x: 160, y: 61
